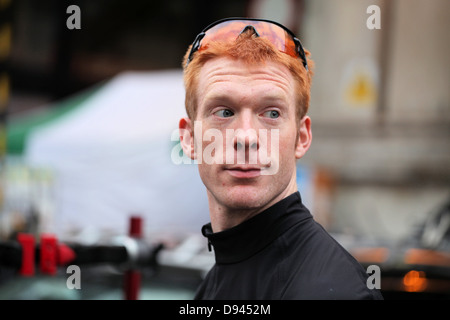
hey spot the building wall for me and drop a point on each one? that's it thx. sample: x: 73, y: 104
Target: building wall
x: 380, y: 110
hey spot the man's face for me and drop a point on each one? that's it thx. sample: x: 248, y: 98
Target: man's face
x: 245, y: 134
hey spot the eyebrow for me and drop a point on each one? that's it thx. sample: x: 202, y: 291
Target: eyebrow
x: 230, y: 100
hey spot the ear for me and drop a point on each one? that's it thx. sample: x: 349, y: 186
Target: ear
x: 304, y: 137
x: 187, y: 137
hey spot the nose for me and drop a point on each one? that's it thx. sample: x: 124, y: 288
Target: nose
x: 246, y: 136
x: 244, y: 141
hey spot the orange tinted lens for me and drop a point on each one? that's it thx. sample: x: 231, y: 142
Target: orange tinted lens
x: 230, y: 30
x: 277, y: 36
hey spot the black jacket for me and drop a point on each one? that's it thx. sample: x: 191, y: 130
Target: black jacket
x: 282, y: 253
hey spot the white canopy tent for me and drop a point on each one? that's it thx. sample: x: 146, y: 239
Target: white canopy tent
x: 111, y: 158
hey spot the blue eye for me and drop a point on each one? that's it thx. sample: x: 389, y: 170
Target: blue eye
x: 224, y: 113
x: 273, y: 114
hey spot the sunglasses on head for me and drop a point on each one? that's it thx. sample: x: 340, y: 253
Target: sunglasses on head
x: 229, y: 29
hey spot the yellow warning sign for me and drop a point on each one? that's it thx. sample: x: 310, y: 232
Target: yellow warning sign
x: 359, y: 84
x: 361, y: 90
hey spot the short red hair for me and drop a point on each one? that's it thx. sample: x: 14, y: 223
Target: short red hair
x: 252, y: 50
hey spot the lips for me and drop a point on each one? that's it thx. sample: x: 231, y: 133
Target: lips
x: 244, y: 172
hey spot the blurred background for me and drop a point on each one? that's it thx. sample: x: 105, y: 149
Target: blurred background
x: 90, y: 100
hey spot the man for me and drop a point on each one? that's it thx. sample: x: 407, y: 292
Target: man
x: 247, y: 94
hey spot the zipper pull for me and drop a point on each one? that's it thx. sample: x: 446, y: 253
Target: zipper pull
x: 209, y: 246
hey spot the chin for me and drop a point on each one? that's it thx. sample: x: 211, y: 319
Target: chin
x: 245, y: 198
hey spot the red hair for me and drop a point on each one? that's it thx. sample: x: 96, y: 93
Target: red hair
x: 252, y: 50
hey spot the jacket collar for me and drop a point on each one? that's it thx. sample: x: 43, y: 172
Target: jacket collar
x: 251, y: 236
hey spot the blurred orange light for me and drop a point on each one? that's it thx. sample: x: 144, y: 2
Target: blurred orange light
x: 370, y: 255
x: 415, y: 281
x: 427, y: 257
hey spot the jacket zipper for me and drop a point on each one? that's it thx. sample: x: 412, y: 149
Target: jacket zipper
x: 209, y: 245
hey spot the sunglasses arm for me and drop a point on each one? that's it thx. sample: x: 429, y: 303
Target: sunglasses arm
x: 195, y: 46
x: 301, y: 52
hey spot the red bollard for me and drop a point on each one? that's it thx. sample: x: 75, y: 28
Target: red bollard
x: 49, y: 254
x: 28, y: 251
x: 133, y: 277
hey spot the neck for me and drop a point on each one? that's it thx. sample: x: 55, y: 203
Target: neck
x: 223, y: 218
